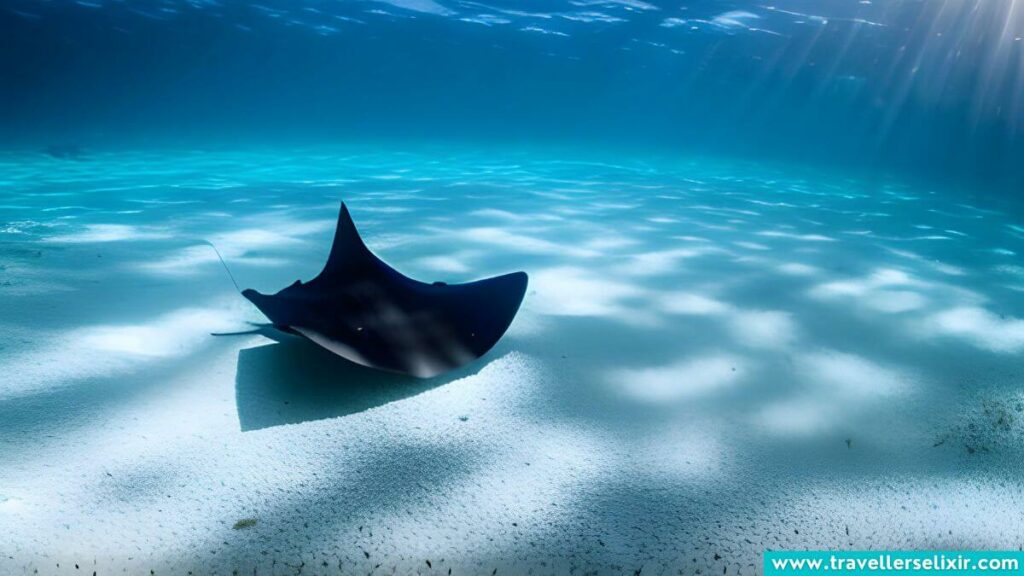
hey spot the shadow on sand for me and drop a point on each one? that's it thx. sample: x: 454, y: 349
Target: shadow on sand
x: 293, y: 381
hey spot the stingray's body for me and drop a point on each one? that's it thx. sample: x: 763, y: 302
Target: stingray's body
x: 367, y: 312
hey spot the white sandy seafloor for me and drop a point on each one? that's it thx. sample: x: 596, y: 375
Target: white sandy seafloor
x: 714, y: 358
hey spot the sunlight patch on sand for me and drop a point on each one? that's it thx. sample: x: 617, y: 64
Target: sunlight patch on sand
x: 852, y: 376
x: 691, y: 304
x: 797, y: 269
x: 573, y: 291
x: 763, y: 328
x: 836, y: 388
x: 100, y: 233
x: 687, y: 379
x: 523, y: 243
x: 105, y: 350
x: 895, y: 301
x: 689, y: 451
x: 443, y: 264
x: 797, y: 416
x: 236, y: 246
x: 978, y: 327
x: 795, y: 236
x: 881, y: 278
x: 659, y: 262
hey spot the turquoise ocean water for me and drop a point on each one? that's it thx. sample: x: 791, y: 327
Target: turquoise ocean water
x: 776, y: 292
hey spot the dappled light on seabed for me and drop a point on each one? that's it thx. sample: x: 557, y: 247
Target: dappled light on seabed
x: 711, y: 357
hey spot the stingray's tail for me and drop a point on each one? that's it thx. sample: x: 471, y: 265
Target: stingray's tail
x: 258, y: 327
x: 224, y: 264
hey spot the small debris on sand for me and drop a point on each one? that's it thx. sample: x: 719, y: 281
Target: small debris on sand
x: 244, y: 523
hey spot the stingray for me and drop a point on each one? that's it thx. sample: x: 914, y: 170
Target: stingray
x: 367, y: 312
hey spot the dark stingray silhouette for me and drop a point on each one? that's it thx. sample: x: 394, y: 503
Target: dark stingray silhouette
x: 367, y: 312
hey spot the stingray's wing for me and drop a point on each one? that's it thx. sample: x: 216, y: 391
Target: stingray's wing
x: 350, y: 258
x: 349, y: 262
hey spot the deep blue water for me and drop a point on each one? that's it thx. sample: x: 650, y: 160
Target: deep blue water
x: 929, y: 88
